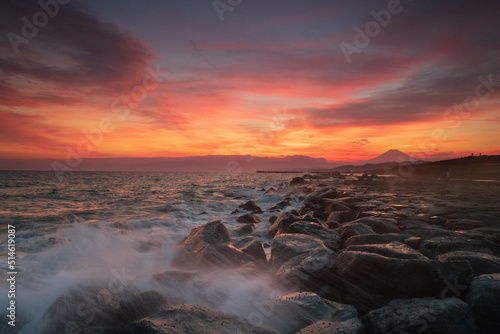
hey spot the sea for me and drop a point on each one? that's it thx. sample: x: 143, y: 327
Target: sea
x: 92, y: 228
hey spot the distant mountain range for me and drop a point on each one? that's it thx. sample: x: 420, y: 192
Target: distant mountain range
x: 214, y: 163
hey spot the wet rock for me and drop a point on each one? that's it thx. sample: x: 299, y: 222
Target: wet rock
x: 295, y: 311
x: 88, y: 309
x: 351, y: 229
x: 369, y: 281
x: 426, y: 315
x: 481, y: 263
x: 394, y: 249
x: 413, y: 242
x: 251, y: 206
x: 308, y: 271
x: 491, y: 234
x: 286, y: 246
x: 213, y: 232
x: 297, y: 181
x: 249, y: 218
x: 463, y: 224
x: 484, y: 298
x: 330, y: 238
x: 193, y: 319
x: 208, y: 245
x: 284, y: 220
x: 434, y: 247
x: 380, y: 225
x: 252, y: 248
x: 376, y: 239
x: 279, y: 206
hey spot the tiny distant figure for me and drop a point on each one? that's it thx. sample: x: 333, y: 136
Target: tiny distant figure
x: 480, y: 153
x: 472, y: 154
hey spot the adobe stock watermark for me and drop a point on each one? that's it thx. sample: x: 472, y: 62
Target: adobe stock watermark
x: 120, y: 108
x: 223, y: 6
x: 372, y: 29
x: 30, y: 27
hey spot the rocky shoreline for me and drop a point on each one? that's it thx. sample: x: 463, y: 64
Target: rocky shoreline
x: 356, y: 257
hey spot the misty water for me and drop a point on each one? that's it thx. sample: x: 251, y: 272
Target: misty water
x: 102, y: 229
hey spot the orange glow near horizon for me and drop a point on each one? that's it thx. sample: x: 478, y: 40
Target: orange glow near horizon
x: 284, y: 91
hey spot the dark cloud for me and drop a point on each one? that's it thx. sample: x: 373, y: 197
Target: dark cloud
x: 73, y: 51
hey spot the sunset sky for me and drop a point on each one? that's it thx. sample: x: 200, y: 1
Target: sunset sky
x: 161, y: 78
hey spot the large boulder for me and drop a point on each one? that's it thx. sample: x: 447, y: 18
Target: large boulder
x: 307, y: 271
x: 290, y: 313
x: 484, y: 298
x: 351, y: 229
x: 481, y: 263
x: 286, y: 246
x: 330, y: 238
x: 380, y: 225
x: 394, y: 249
x: 369, y: 281
x: 187, y: 318
x: 206, y: 246
x: 426, y: 315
